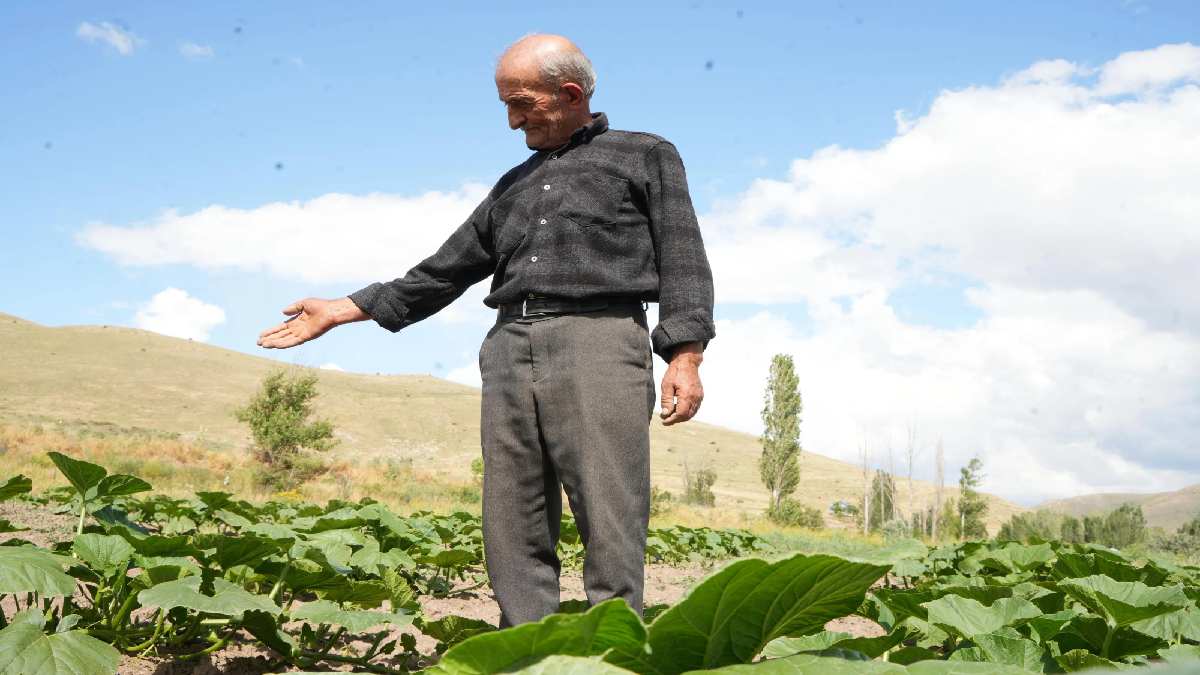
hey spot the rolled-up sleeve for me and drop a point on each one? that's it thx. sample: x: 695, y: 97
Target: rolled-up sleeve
x: 466, y: 258
x: 685, y: 296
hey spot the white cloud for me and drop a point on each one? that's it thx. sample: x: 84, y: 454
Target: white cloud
x: 1060, y: 393
x: 173, y: 312
x: 194, y: 51
x: 387, y: 235
x: 122, y: 40
x: 376, y: 236
x: 332, y: 366
x: 1041, y: 182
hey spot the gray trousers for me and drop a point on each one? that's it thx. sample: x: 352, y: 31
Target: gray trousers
x: 566, y: 399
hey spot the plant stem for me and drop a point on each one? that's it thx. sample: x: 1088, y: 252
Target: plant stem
x: 214, y: 647
x: 158, y: 626
x: 82, y: 513
x: 1112, y: 630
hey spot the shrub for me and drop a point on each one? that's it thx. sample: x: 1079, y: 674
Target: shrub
x: 477, y: 470
x: 794, y: 514
x: 697, y: 486
x: 660, y: 501
x: 278, y: 419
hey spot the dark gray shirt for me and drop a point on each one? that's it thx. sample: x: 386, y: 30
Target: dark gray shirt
x: 606, y: 214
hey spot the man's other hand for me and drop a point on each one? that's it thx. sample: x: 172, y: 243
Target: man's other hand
x: 310, y: 318
x: 681, y: 388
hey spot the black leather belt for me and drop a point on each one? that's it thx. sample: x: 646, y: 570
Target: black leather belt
x: 541, y: 305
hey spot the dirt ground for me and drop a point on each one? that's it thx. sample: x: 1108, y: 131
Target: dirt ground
x: 665, y: 584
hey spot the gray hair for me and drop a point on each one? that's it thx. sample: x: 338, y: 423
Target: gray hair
x: 559, y: 66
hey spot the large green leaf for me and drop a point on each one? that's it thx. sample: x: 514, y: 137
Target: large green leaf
x: 453, y: 629
x: 807, y: 664
x: 228, y: 599
x: 1092, y: 633
x: 963, y: 668
x: 25, y: 569
x: 870, y: 647
x: 1004, y: 649
x: 1184, y: 623
x: 965, y: 617
x: 731, y: 616
x: 1081, y: 659
x: 570, y: 665
x: 1046, y: 626
x: 356, y: 621
x: 84, y: 476
x: 120, y: 485
x: 26, y: 650
x: 105, y: 553
x: 783, y: 647
x: 610, y: 624
x: 369, y: 558
x: 17, y: 485
x: 1124, y: 602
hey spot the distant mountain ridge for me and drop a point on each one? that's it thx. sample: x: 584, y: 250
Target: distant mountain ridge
x: 136, y: 378
x: 1167, y: 510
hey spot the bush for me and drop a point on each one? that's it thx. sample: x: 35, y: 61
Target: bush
x: 660, y: 501
x: 1026, y: 527
x: 477, y: 470
x: 697, y: 486
x: 278, y: 419
x: 843, y: 509
x: 794, y: 514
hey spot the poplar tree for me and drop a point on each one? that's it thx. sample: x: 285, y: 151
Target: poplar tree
x: 779, y: 465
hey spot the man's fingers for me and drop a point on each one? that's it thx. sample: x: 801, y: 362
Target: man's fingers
x: 685, y: 410
x: 667, y: 400
x: 294, y: 308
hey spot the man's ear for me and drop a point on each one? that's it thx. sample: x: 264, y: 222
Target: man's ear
x: 572, y: 94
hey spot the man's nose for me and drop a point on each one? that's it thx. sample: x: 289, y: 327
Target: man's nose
x: 515, y: 119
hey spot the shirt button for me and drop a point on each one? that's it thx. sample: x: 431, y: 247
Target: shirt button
x: 542, y: 221
x: 545, y: 187
x: 533, y: 259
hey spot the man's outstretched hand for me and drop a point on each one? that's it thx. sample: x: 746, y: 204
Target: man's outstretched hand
x: 681, y: 388
x: 310, y: 318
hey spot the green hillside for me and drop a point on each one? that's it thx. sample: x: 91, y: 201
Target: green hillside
x: 134, y: 378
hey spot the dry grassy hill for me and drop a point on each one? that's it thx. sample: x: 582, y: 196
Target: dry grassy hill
x: 1167, y: 510
x: 134, y: 378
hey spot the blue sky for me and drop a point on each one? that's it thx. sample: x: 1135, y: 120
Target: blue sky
x: 286, y: 102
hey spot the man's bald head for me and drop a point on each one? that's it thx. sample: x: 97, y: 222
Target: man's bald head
x: 551, y: 60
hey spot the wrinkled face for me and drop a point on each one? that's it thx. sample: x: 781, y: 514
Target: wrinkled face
x: 534, y: 108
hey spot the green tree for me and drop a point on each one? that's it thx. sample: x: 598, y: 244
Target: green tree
x: 1093, y: 529
x: 883, y: 500
x: 779, y: 465
x: 278, y: 417
x: 1071, y: 531
x: 972, y: 507
x: 948, y: 520
x: 1124, y: 526
x: 1025, y: 527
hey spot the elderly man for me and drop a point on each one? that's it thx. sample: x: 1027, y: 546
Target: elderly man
x: 576, y: 239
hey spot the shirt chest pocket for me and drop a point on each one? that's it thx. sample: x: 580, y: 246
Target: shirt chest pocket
x: 594, y: 199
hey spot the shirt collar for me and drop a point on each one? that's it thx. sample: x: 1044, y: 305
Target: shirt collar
x: 583, y: 134
x: 587, y: 132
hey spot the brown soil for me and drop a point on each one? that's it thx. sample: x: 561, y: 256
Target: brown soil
x: 45, y: 527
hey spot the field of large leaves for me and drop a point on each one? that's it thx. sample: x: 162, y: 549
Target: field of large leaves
x: 329, y: 586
